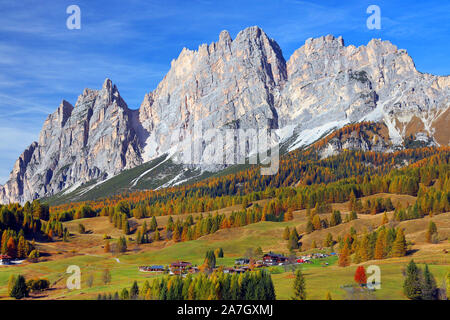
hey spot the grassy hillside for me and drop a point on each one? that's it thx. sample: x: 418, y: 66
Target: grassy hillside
x: 85, y: 250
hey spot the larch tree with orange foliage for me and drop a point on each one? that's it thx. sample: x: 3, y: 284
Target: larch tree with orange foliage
x: 360, y: 276
x: 380, y: 246
x: 11, y: 248
x: 344, y: 257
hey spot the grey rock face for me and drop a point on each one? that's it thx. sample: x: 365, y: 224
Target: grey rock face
x: 94, y: 139
x: 331, y: 83
x: 230, y: 82
x: 240, y: 83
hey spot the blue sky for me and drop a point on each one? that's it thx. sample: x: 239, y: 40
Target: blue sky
x: 133, y: 42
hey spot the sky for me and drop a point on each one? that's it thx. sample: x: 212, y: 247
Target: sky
x: 133, y: 42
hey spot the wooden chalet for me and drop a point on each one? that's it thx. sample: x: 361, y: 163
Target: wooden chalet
x: 180, y: 267
x: 274, y: 258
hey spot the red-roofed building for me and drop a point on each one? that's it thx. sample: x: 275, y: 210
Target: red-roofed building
x: 5, y: 259
x: 180, y: 267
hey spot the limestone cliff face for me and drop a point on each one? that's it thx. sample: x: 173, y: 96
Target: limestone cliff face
x: 94, y: 139
x: 330, y: 84
x: 238, y: 83
x: 229, y: 83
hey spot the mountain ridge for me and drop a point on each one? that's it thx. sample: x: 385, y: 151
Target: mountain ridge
x: 241, y: 83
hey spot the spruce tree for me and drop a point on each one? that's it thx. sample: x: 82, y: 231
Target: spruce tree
x: 299, y: 286
x: 432, y: 229
x: 293, y: 240
x: 19, y: 290
x: 156, y: 236
x: 309, y: 226
x: 124, y: 295
x: 126, y: 225
x: 399, y: 246
x: 412, y: 287
x: 429, y: 288
x: 134, y: 291
x: 329, y: 240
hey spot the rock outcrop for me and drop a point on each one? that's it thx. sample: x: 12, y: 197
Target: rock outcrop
x: 240, y: 83
x: 93, y: 140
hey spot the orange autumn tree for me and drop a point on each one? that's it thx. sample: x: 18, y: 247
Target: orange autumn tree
x: 360, y: 276
x: 344, y: 256
x: 11, y: 247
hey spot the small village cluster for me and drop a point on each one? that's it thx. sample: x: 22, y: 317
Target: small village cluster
x: 5, y: 259
x: 241, y: 265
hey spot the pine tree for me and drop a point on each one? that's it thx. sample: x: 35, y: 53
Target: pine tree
x: 134, y: 291
x: 316, y: 222
x: 299, y: 286
x: 353, y: 215
x: 432, y: 229
x: 19, y: 289
x: 293, y: 240
x: 125, y: 225
x: 156, y: 236
x: 124, y: 295
x: 144, y: 290
x: 429, y: 288
x: 210, y: 260
x: 329, y: 240
x: 399, y: 246
x: 412, y: 287
x: 139, y: 237
x: 309, y: 226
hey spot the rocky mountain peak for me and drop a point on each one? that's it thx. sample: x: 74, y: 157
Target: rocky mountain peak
x: 238, y: 84
x: 224, y: 37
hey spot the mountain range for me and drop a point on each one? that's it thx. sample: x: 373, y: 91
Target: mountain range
x: 239, y: 83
